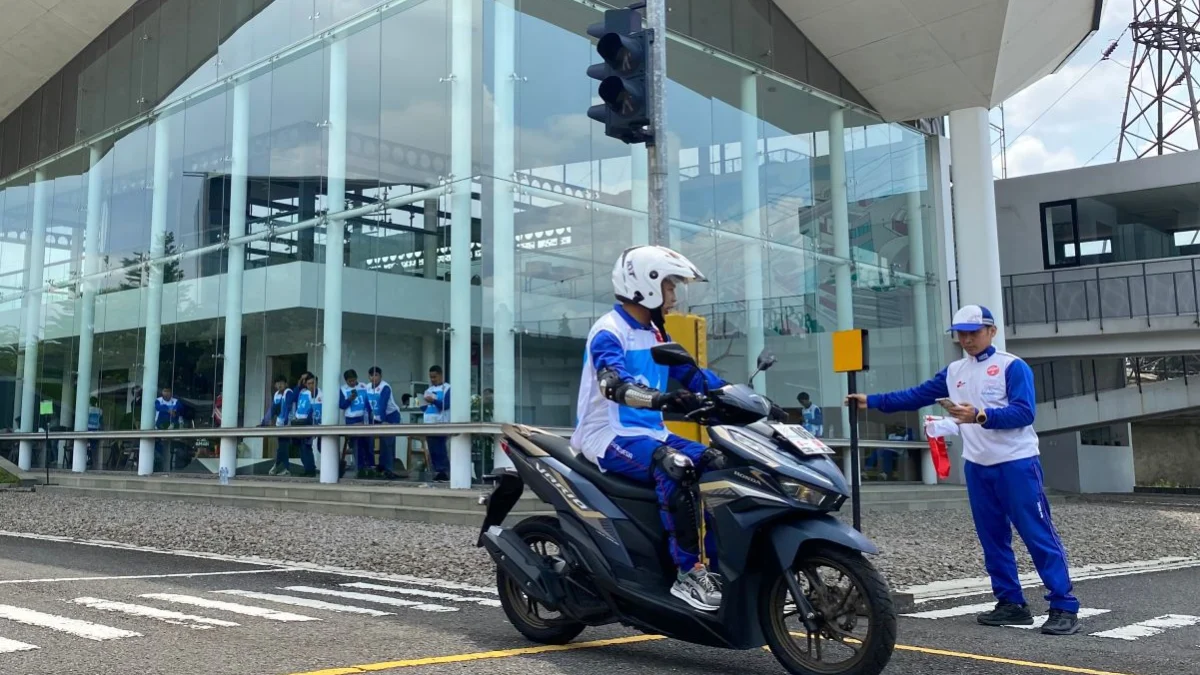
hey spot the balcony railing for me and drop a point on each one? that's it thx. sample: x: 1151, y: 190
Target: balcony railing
x: 1068, y: 378
x: 1160, y: 288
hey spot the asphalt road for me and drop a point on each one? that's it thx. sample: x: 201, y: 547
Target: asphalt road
x: 48, y: 590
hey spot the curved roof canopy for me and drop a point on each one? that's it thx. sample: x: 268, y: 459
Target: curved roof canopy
x: 39, y: 37
x: 924, y: 58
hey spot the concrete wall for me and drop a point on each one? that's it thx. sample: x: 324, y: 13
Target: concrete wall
x: 1017, y: 199
x: 1167, y: 451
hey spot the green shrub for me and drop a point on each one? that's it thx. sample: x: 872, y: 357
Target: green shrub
x: 6, y: 477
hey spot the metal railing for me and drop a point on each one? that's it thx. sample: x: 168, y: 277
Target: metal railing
x: 1068, y: 378
x: 1159, y: 288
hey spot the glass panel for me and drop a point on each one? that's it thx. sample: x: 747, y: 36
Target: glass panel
x: 1058, y: 228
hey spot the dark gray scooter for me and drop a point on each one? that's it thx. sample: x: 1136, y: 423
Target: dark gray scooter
x: 794, y: 577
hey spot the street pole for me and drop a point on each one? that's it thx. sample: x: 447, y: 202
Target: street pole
x: 656, y: 22
x: 855, y: 453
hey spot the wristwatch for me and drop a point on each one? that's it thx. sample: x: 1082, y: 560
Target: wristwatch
x: 980, y: 417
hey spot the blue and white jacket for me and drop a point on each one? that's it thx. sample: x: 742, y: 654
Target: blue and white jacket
x: 996, y: 383
x: 383, y: 405
x: 620, y: 342
x: 358, y: 411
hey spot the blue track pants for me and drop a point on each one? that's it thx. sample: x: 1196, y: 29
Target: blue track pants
x: 1012, y: 492
x: 633, y: 457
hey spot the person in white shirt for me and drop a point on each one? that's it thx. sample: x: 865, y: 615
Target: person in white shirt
x: 990, y: 394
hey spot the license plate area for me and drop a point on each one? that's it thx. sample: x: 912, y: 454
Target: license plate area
x: 799, y: 438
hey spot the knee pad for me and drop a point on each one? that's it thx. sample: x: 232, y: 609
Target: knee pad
x: 713, y: 460
x: 678, y: 466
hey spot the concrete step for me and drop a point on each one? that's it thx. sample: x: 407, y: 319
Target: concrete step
x: 389, y: 512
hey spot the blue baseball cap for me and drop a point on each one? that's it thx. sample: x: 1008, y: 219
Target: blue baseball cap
x: 971, y: 318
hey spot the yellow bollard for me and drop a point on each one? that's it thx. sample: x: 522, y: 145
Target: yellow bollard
x: 691, y: 331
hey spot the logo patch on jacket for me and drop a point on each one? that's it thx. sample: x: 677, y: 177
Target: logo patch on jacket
x: 993, y: 370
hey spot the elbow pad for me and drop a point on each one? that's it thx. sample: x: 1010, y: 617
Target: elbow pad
x: 626, y: 393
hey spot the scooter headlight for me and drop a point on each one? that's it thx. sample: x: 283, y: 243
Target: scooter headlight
x: 808, y: 494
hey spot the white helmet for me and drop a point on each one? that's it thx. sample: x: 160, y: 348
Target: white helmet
x: 640, y: 271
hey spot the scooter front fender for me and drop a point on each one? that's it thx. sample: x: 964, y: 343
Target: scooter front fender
x: 787, y: 538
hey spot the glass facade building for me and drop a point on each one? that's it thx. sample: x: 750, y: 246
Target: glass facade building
x: 219, y: 192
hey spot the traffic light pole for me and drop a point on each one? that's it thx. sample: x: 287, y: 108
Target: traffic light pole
x: 656, y: 21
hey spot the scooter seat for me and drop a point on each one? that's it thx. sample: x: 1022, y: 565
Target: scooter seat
x: 609, y: 483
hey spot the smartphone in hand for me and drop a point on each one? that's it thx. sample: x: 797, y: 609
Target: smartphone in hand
x: 946, y: 403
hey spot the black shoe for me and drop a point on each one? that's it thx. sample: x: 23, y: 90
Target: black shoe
x: 1061, y: 622
x: 1007, y: 614
x: 441, y: 478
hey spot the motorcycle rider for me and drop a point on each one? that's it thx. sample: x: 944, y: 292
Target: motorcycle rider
x: 622, y: 396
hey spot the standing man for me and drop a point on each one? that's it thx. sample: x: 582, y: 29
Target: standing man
x: 991, y: 397
x: 814, y: 419
x: 280, y: 415
x: 437, y: 411
x: 353, y: 399
x: 385, y: 411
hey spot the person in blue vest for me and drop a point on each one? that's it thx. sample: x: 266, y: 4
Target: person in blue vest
x: 814, y: 419
x: 166, y: 416
x: 304, y: 415
x: 354, y: 400
x: 279, y: 415
x: 437, y: 411
x: 94, y: 419
x: 384, y: 410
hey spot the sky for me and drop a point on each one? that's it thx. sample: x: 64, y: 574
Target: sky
x: 1081, y: 128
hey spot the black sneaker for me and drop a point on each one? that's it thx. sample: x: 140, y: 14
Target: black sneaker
x: 441, y: 478
x: 1061, y: 622
x: 1007, y: 614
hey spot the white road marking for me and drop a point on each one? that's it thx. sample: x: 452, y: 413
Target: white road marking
x: 7, y: 646
x: 169, y: 616
x: 141, y: 576
x: 1039, y: 621
x: 307, y: 602
x: 420, y: 592
x: 367, y: 597
x: 234, y: 607
x: 278, y: 565
x: 1150, y: 628
x: 961, y: 610
x: 83, y: 629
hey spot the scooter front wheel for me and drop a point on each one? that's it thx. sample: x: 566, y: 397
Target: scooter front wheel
x: 856, y: 620
x: 543, y: 535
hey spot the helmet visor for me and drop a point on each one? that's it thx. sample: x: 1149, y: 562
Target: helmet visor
x: 675, y: 295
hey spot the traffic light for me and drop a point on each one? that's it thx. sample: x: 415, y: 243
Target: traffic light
x: 625, y: 48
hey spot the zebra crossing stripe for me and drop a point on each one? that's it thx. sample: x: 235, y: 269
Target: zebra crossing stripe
x: 307, y: 602
x: 1150, y: 627
x: 233, y: 607
x: 7, y: 646
x: 169, y: 616
x: 367, y: 597
x: 962, y: 610
x: 1039, y: 621
x: 438, y: 595
x: 83, y: 629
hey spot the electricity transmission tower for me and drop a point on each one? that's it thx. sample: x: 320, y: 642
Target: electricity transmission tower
x: 1166, y: 41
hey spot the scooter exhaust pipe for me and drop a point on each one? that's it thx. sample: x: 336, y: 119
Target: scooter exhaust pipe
x: 533, y: 575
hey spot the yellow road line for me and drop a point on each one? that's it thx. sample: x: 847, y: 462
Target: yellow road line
x: 483, y: 656
x: 594, y: 644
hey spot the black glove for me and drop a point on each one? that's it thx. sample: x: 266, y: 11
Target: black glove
x: 712, y: 459
x: 778, y: 414
x: 679, y: 401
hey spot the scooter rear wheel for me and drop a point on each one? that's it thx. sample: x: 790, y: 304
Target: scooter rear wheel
x: 544, y: 536
x: 840, y: 614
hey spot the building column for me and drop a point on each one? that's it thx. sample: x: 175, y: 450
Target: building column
x: 154, y: 292
x: 975, y: 213
x: 920, y: 294
x: 231, y: 387
x: 335, y: 236
x: 33, y: 316
x: 461, y: 106
x: 504, y: 307
x: 752, y: 253
x: 843, y: 279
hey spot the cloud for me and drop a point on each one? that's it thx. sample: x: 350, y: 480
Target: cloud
x: 1072, y: 117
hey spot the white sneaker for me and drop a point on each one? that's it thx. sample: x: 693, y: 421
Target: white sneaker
x: 698, y: 588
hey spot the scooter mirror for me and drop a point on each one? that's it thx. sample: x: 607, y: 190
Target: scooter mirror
x: 671, y: 354
x: 765, y: 360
